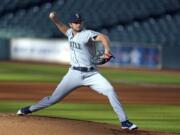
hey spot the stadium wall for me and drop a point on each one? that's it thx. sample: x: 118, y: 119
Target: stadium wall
x: 4, y: 49
x: 150, y: 56
x: 171, y: 56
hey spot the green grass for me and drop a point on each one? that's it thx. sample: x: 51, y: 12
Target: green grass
x: 54, y: 73
x: 31, y: 72
x: 142, y: 77
x: 152, y: 117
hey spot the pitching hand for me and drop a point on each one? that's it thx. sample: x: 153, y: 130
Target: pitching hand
x: 52, y: 15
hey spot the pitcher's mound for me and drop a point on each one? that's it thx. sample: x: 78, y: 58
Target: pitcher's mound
x: 36, y: 125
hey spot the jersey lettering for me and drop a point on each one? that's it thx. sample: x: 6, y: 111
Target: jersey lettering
x: 75, y: 45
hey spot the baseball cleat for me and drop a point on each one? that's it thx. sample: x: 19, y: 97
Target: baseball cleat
x: 23, y: 111
x: 128, y: 125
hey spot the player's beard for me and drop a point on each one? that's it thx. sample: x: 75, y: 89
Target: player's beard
x: 78, y: 29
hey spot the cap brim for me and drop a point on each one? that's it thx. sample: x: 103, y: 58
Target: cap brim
x: 75, y: 21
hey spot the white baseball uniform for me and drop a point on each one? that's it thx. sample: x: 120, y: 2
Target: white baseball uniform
x: 82, y: 73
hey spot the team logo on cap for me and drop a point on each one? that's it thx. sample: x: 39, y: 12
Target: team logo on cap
x: 77, y: 15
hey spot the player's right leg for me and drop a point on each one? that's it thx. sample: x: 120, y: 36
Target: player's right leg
x: 98, y: 83
x: 71, y: 81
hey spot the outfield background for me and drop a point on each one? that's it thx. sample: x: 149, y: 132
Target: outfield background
x: 144, y: 36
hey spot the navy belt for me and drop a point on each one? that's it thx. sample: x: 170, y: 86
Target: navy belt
x: 84, y: 69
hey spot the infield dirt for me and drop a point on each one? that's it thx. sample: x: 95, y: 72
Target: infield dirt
x: 35, y: 125
x: 145, y: 94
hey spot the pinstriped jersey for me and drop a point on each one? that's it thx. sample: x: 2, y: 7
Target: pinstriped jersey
x: 82, y: 47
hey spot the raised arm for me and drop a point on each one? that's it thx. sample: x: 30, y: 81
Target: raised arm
x: 61, y: 26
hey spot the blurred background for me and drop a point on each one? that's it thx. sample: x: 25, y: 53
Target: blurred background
x: 143, y: 33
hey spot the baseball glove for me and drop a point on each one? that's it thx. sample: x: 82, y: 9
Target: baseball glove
x: 100, y: 59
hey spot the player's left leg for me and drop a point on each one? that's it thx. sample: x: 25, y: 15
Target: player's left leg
x: 98, y: 83
x: 70, y: 81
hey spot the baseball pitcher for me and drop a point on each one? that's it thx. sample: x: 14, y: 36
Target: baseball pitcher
x: 83, y: 71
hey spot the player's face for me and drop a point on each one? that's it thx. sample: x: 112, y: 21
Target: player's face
x: 77, y: 26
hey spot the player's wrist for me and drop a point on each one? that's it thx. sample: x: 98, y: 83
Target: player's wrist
x: 107, y: 51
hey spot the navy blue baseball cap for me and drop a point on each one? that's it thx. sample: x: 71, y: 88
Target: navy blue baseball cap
x: 75, y: 18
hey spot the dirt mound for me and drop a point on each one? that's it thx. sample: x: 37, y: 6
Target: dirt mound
x: 36, y: 125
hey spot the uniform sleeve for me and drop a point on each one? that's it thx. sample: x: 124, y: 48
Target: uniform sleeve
x: 69, y: 32
x: 93, y: 34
